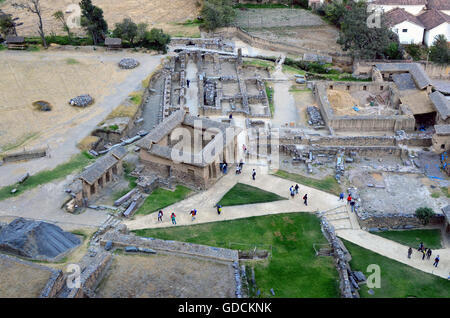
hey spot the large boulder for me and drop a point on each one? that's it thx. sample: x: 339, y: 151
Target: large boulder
x: 36, y: 239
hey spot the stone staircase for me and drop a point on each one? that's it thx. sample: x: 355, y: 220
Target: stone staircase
x: 338, y: 217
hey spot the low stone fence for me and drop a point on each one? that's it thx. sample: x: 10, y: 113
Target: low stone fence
x: 123, y: 240
x: 341, y: 257
x: 24, y: 155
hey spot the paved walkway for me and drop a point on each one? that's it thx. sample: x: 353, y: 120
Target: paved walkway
x: 338, y: 213
x: 205, y: 201
x: 398, y: 252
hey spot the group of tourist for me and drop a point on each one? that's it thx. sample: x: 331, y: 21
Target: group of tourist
x: 426, y: 252
x: 294, y: 190
x: 173, y: 217
x: 350, y: 200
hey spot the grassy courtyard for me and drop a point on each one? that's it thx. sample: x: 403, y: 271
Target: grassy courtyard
x: 328, y: 184
x: 431, y: 238
x: 247, y: 194
x: 293, y: 270
x: 161, y: 198
x: 397, y: 280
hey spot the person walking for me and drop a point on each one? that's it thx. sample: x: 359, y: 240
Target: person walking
x: 188, y: 82
x: 173, y: 216
x: 305, y: 199
x: 409, y: 252
x: 160, y: 215
x: 225, y: 166
x: 352, y: 205
x: 341, y: 196
x: 429, y: 252
x: 219, y: 209
x: 349, y: 199
x: 424, y: 254
x: 420, y: 247
x: 436, y: 261
x: 291, y: 189
x: 193, y: 213
x: 238, y: 169
x: 296, y: 188
x: 254, y: 174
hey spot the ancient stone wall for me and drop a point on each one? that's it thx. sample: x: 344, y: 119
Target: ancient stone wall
x: 54, y: 285
x: 359, y: 123
x: 189, y: 249
x: 230, y: 32
x: 25, y: 155
x: 341, y: 258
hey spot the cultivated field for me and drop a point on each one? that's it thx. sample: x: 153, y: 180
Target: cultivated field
x: 289, y: 26
x: 163, y: 14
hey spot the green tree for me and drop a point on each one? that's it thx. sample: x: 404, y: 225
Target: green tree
x: 335, y: 11
x: 362, y: 41
x: 424, y: 214
x: 440, y: 52
x: 394, y: 51
x: 7, y: 25
x: 414, y: 51
x: 156, y: 39
x: 59, y: 16
x: 140, y: 33
x: 92, y: 20
x: 217, y: 13
x: 126, y: 30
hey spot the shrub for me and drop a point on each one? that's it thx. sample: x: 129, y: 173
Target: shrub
x: 156, y: 39
x: 217, y: 13
x: 424, y: 214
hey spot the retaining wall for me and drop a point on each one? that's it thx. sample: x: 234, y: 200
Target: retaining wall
x: 252, y: 40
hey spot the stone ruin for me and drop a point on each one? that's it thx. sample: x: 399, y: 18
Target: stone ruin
x: 36, y: 239
x: 225, y: 85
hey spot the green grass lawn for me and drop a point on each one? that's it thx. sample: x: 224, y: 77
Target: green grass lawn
x: 269, y: 92
x: 328, y: 184
x: 246, y: 194
x: 76, y: 163
x: 430, y: 238
x: 397, y: 280
x: 160, y: 198
x: 293, y: 270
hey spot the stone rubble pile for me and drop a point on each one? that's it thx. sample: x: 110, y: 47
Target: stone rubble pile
x: 128, y: 63
x: 81, y: 101
x: 315, y: 118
